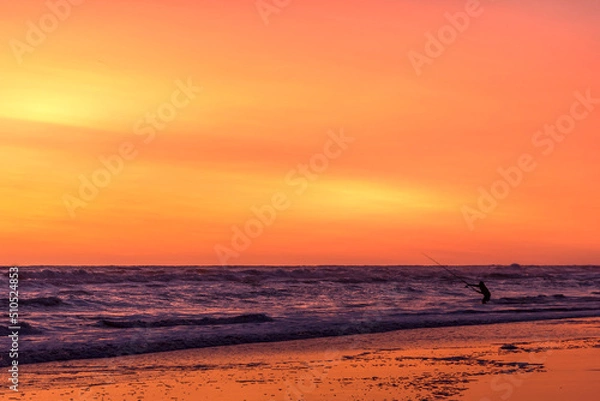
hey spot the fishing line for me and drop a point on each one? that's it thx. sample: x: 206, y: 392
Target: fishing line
x: 449, y: 271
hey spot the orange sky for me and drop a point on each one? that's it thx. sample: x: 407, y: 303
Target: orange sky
x: 271, y: 94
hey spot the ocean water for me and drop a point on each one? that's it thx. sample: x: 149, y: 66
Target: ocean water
x: 89, y: 312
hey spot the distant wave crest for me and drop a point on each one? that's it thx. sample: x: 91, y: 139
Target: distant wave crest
x: 42, y: 301
x: 205, y: 321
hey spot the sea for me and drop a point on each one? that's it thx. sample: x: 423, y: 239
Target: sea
x: 75, y: 312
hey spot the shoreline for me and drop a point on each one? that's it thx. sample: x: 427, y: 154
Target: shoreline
x: 416, y: 363
x: 258, y: 337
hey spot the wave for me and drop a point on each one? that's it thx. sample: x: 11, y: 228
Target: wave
x: 205, y: 321
x: 134, y: 343
x: 61, y: 276
x: 530, y: 299
x: 24, y: 329
x: 42, y: 301
x: 37, y: 301
x: 515, y: 275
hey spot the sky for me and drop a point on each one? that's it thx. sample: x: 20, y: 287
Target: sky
x: 299, y: 132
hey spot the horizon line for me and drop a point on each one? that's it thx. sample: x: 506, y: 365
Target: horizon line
x: 304, y: 265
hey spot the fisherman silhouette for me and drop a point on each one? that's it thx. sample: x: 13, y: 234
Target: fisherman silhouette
x: 483, y: 290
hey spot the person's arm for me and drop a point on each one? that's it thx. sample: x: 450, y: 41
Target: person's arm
x: 475, y: 287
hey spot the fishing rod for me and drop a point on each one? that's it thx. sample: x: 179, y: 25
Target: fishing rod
x: 448, y: 270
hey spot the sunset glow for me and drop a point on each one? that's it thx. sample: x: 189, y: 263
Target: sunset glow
x: 208, y: 110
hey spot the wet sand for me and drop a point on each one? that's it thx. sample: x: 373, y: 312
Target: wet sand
x: 546, y: 360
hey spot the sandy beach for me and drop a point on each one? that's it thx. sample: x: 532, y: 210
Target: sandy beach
x: 549, y: 360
